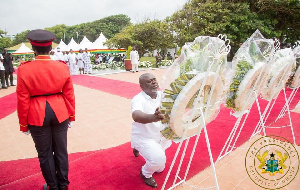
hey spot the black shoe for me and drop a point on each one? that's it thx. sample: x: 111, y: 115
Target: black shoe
x: 12, y: 85
x: 45, y: 187
x: 149, y: 181
x: 136, y: 152
x: 4, y: 87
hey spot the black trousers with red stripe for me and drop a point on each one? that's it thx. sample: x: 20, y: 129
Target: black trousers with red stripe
x: 51, y: 144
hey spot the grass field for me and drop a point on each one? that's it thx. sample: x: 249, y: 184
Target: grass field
x: 151, y: 59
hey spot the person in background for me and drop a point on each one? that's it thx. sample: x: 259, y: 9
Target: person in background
x: 2, y: 73
x: 158, y: 59
x: 46, y: 107
x: 169, y: 56
x: 79, y: 59
x: 104, y: 58
x: 96, y: 59
x: 65, y: 57
x: 175, y: 55
x: 9, y: 69
x: 52, y: 55
x: 100, y: 58
x: 59, y: 55
x: 146, y: 138
x: 134, y: 57
x: 123, y: 57
x: 72, y: 62
x: 87, y: 62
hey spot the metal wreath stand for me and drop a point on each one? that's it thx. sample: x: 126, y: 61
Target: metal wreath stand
x: 230, y: 143
x: 241, y: 119
x: 187, y: 139
x: 260, y: 127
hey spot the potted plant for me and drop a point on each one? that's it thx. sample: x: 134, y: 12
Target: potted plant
x: 127, y: 61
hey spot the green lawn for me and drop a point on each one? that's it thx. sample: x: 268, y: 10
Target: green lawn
x: 151, y: 59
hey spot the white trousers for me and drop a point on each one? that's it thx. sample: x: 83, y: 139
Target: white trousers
x: 135, y: 67
x: 72, y: 68
x: 153, y: 152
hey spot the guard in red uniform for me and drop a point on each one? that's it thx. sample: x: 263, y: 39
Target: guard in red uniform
x: 46, y: 106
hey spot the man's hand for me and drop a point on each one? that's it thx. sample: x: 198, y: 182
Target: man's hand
x: 27, y: 132
x: 158, y: 114
x: 140, y: 117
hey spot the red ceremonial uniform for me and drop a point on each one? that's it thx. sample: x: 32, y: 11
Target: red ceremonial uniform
x: 44, y: 80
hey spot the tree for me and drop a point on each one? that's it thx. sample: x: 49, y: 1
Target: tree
x: 20, y: 37
x: 211, y: 18
x: 4, y: 43
x: 109, y: 26
x: 2, y: 33
x: 59, y: 31
x: 145, y: 36
x: 283, y: 14
x: 122, y: 39
x: 286, y: 15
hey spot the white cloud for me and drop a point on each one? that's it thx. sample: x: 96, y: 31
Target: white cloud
x: 20, y: 15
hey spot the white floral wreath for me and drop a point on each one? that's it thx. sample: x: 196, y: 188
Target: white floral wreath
x: 279, y: 73
x: 245, y: 99
x: 180, y: 114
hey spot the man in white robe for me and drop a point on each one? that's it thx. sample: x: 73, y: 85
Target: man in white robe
x: 72, y: 62
x: 134, y: 57
x: 87, y: 62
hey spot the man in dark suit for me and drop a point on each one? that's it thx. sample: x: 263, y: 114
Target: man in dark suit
x: 9, y: 69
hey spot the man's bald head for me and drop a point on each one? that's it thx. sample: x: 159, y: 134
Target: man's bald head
x: 148, y: 84
x: 144, y: 77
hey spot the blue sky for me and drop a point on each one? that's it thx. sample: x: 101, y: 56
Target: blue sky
x: 20, y: 15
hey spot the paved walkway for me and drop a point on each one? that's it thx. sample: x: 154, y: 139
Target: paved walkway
x: 104, y: 120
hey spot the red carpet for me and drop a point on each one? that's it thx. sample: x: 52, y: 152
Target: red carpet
x: 117, y: 169
x: 116, y: 87
x: 8, y: 105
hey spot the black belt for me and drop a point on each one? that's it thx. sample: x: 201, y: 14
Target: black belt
x: 45, y: 95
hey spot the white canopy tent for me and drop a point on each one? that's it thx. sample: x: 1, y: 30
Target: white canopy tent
x: 23, y: 50
x: 72, y: 45
x: 62, y: 46
x: 98, y: 43
x: 102, y: 38
x: 85, y: 43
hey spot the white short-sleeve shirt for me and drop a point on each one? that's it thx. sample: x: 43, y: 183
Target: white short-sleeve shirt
x: 147, y: 105
x: 1, y: 64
